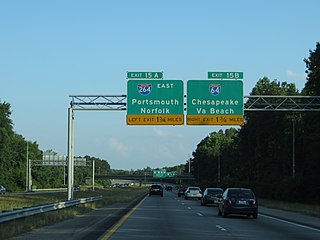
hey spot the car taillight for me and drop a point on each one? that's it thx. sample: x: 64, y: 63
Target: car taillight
x: 253, y: 201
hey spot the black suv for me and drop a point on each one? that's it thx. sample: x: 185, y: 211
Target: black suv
x: 238, y: 201
x: 156, y: 189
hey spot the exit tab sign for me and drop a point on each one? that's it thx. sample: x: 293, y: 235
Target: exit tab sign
x: 144, y: 75
x: 225, y: 75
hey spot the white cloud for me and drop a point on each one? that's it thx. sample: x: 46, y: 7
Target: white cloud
x: 160, y: 132
x: 163, y: 133
x: 118, y: 146
x: 296, y: 76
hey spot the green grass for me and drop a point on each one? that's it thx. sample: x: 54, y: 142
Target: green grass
x: 308, y: 209
x: 16, y: 227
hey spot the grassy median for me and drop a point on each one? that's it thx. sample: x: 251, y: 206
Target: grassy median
x: 16, y: 227
x: 308, y: 209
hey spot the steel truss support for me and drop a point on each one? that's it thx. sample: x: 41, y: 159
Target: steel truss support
x: 252, y: 103
x: 98, y: 102
x: 282, y: 103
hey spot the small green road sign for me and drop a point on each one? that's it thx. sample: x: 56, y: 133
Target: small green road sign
x: 162, y: 173
x: 155, y: 102
x: 144, y: 75
x: 171, y: 174
x: 225, y: 75
x: 214, y: 102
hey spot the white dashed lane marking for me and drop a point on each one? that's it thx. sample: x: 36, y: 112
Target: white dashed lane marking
x: 221, y: 228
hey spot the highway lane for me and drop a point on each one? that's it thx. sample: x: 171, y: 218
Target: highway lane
x: 170, y: 217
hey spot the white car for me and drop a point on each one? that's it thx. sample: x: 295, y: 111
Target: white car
x: 193, y: 192
x: 2, y: 190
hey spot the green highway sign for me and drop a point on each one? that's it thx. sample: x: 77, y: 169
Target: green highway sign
x: 155, y: 102
x: 171, y: 174
x: 162, y: 173
x: 214, y: 102
x: 225, y: 75
x: 144, y: 75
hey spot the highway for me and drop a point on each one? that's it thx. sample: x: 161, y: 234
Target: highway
x: 170, y: 217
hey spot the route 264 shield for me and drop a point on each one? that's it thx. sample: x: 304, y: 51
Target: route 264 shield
x: 144, y: 89
x: 215, y: 89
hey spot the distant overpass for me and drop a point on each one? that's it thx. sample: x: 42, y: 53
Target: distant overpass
x: 147, y: 177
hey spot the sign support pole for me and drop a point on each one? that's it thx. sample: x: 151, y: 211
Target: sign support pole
x: 30, y: 176
x: 70, y: 152
x: 93, y: 168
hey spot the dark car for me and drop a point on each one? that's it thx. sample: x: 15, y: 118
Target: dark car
x: 238, y: 201
x: 156, y: 189
x: 169, y: 188
x: 211, y: 196
x: 181, y: 190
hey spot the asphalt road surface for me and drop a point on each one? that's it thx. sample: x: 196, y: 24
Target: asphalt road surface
x: 171, y: 217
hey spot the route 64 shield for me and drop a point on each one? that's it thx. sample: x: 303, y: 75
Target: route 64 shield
x: 144, y: 89
x: 215, y: 89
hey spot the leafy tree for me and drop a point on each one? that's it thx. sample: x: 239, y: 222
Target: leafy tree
x: 312, y: 86
x: 309, y: 166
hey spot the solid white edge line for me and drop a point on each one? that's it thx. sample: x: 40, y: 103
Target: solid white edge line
x: 288, y: 222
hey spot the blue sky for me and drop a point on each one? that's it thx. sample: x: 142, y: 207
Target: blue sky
x: 52, y: 49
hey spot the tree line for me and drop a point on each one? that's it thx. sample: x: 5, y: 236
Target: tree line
x: 275, y: 153
x: 15, y: 150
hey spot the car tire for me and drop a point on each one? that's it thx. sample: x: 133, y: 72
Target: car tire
x: 255, y: 215
x: 224, y: 213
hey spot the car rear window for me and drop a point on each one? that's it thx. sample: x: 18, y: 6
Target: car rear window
x: 241, y: 193
x: 215, y: 191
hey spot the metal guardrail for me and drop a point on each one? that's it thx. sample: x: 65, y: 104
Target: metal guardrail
x: 25, y: 212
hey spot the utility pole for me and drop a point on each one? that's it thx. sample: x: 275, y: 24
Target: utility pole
x: 27, y: 170
x: 293, y: 150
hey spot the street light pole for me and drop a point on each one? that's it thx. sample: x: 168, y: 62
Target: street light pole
x: 93, y: 168
x: 219, y: 169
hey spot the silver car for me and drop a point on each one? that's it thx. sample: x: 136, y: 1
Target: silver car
x: 193, y: 192
x: 2, y: 190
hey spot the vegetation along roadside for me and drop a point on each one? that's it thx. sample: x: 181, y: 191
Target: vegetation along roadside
x: 110, y: 196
